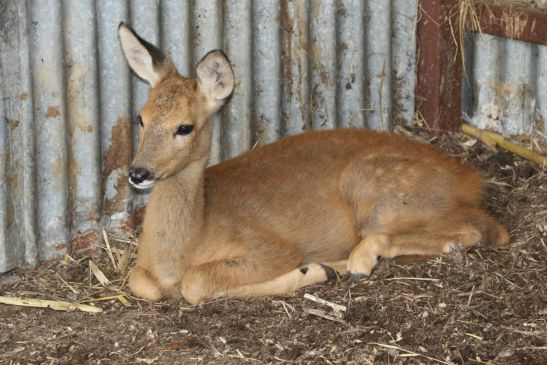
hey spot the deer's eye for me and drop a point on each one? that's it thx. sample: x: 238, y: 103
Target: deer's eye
x: 139, y: 121
x: 184, y: 129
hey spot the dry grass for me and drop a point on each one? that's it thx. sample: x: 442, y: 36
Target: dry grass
x: 531, y: 5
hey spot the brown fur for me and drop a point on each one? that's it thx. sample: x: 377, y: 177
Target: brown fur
x: 310, y: 198
x: 260, y: 224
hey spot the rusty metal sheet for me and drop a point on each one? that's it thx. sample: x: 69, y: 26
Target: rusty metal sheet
x: 114, y: 116
x: 83, y: 127
x: 506, y: 84
x: 18, y: 200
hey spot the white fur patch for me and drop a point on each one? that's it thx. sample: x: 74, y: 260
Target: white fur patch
x: 146, y: 184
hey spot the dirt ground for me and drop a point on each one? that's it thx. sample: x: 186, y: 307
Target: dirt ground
x: 483, y: 305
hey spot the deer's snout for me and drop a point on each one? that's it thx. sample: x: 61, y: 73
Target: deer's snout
x: 141, y: 178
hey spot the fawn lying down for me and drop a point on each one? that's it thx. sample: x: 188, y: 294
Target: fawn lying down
x: 284, y: 215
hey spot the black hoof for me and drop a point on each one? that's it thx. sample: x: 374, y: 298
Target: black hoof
x: 329, y: 272
x: 356, y: 276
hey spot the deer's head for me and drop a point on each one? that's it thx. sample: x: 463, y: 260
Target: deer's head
x: 175, y: 126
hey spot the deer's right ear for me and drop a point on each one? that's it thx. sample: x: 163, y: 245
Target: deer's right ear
x: 147, y: 61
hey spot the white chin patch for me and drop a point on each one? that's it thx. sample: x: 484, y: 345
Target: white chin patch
x: 147, y: 184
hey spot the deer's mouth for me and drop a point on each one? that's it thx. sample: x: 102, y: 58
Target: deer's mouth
x: 141, y: 178
x: 143, y: 185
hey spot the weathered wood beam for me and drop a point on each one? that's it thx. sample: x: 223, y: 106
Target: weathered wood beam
x: 439, y: 64
x: 510, y: 22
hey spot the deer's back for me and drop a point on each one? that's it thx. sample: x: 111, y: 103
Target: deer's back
x: 295, y: 188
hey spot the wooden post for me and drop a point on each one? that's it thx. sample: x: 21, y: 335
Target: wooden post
x: 439, y: 64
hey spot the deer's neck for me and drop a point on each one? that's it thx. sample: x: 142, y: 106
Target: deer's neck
x: 175, y: 213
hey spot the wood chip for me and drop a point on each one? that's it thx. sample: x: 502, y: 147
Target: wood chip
x: 99, y: 275
x: 142, y: 360
x: 323, y: 314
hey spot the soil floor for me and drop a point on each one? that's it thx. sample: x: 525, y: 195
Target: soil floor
x: 482, y: 305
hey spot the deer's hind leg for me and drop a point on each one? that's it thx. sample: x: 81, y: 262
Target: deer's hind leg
x: 365, y: 255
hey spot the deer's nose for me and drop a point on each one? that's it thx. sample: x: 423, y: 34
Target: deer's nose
x: 138, y: 175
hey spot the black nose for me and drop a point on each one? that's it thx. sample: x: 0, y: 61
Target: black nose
x: 139, y: 174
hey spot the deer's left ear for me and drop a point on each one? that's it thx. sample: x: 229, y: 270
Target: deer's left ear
x: 215, y: 78
x: 147, y: 61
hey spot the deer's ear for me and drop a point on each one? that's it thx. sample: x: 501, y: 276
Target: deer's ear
x: 215, y: 78
x: 147, y: 61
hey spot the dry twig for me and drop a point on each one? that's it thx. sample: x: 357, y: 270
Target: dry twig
x: 99, y: 275
x: 337, y: 308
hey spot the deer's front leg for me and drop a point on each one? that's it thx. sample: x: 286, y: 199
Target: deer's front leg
x: 256, y: 260
x: 212, y: 280
x: 146, y: 285
x: 143, y: 285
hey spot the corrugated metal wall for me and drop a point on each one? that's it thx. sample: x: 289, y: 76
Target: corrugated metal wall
x: 505, y: 87
x: 68, y: 98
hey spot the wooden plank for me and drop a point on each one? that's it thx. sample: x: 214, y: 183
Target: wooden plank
x: 439, y: 64
x: 511, y: 22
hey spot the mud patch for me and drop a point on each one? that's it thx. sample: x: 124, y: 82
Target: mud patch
x: 117, y: 159
x: 53, y: 112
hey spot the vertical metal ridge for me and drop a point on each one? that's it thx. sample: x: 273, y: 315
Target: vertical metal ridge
x: 541, y: 89
x: 267, y: 70
x: 295, y: 75
x: 379, y: 65
x: 323, y: 63
x: 351, y: 64
x: 519, y: 95
x: 82, y: 116
x: 486, y: 73
x: 176, y: 41
x: 115, y: 112
x: 237, y: 43
x: 207, y: 29
x: 7, y: 261
x: 50, y: 128
x: 17, y: 242
x: 22, y: 140
x: 403, y: 60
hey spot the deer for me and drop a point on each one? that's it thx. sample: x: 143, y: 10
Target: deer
x: 285, y: 215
